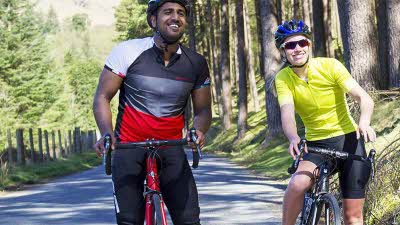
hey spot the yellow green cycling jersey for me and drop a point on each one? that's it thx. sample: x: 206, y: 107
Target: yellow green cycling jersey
x: 320, y: 102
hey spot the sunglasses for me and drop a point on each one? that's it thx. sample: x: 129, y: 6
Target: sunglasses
x: 292, y: 44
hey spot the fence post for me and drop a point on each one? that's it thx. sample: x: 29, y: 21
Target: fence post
x: 46, y: 140
x: 40, y: 144
x: 31, y: 145
x: 10, y: 155
x: 53, y: 144
x: 80, y: 147
x: 60, y: 148
x: 74, y: 140
x: 89, y: 140
x: 94, y: 137
x: 77, y: 140
x: 83, y: 141
x: 70, y: 145
x: 65, y: 153
x: 20, y: 147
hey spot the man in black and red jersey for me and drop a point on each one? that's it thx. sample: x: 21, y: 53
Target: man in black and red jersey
x: 154, y: 77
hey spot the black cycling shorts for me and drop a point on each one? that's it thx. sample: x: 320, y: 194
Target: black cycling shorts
x: 177, y: 184
x: 353, y: 174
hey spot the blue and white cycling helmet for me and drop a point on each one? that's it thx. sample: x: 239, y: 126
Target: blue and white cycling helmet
x: 287, y: 29
x: 153, y: 5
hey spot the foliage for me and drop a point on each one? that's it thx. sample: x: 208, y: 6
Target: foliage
x: 383, y: 199
x: 80, y: 22
x: 131, y: 20
x: 24, y: 64
x: 51, y: 25
x: 82, y: 77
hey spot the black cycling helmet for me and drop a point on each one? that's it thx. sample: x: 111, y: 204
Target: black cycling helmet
x: 153, y: 5
x: 287, y: 29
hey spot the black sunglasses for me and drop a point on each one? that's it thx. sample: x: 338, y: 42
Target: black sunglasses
x: 292, y: 44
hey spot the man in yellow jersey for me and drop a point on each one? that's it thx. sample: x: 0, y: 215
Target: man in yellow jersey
x: 316, y: 89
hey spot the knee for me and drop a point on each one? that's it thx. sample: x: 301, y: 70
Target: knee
x: 299, y: 184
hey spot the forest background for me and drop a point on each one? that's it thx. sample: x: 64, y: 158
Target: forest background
x: 52, y: 52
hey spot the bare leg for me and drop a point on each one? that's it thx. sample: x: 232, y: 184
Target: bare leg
x: 300, y: 182
x: 353, y: 211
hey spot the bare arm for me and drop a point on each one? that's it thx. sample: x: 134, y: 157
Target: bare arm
x: 201, y: 99
x: 107, y: 87
x: 289, y: 128
x: 367, y: 107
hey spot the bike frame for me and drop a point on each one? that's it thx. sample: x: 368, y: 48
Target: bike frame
x: 151, y: 183
x: 320, y: 187
x: 152, y: 187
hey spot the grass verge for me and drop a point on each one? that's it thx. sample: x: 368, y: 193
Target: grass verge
x: 13, y: 177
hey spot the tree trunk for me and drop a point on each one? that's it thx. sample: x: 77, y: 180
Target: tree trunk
x: 192, y: 25
x: 217, y: 55
x: 250, y: 59
x: 279, y: 13
x: 330, y: 50
x: 270, y: 59
x: 318, y: 29
x: 240, y: 54
x: 225, y: 70
x: 259, y: 36
x: 216, y: 88
x: 357, y: 28
x: 383, y: 47
x: 393, y: 10
x: 307, y: 12
x: 297, y: 10
x: 233, y: 45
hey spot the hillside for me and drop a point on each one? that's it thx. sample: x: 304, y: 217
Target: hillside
x: 101, y: 13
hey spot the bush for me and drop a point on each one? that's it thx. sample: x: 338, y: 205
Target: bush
x: 383, y: 193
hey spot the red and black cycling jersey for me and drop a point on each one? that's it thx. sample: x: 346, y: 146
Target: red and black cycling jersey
x: 153, y: 95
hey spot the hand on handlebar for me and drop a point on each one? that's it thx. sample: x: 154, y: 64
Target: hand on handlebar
x: 199, y: 141
x: 294, y: 147
x: 99, y: 146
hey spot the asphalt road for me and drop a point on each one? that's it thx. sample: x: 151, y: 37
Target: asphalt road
x: 229, y: 194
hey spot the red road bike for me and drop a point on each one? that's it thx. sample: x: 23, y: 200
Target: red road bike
x: 155, y: 213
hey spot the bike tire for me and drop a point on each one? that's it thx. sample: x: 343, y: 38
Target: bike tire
x: 157, y: 213
x: 326, y: 201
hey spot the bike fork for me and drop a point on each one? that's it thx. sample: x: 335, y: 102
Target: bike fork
x: 150, y: 211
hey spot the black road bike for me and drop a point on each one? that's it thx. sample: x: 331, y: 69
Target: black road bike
x: 320, y: 206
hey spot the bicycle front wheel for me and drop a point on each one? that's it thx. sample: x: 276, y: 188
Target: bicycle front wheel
x: 327, y: 211
x: 157, y: 213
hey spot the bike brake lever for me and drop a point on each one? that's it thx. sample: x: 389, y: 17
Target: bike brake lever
x: 371, y: 158
x: 196, y: 154
x: 107, y: 154
x: 292, y: 169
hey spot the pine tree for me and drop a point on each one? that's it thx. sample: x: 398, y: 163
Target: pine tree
x: 24, y: 65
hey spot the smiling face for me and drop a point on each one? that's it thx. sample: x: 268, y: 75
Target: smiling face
x: 170, y: 21
x: 298, y: 55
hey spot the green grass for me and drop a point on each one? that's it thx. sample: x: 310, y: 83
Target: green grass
x: 269, y: 159
x: 15, y: 177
